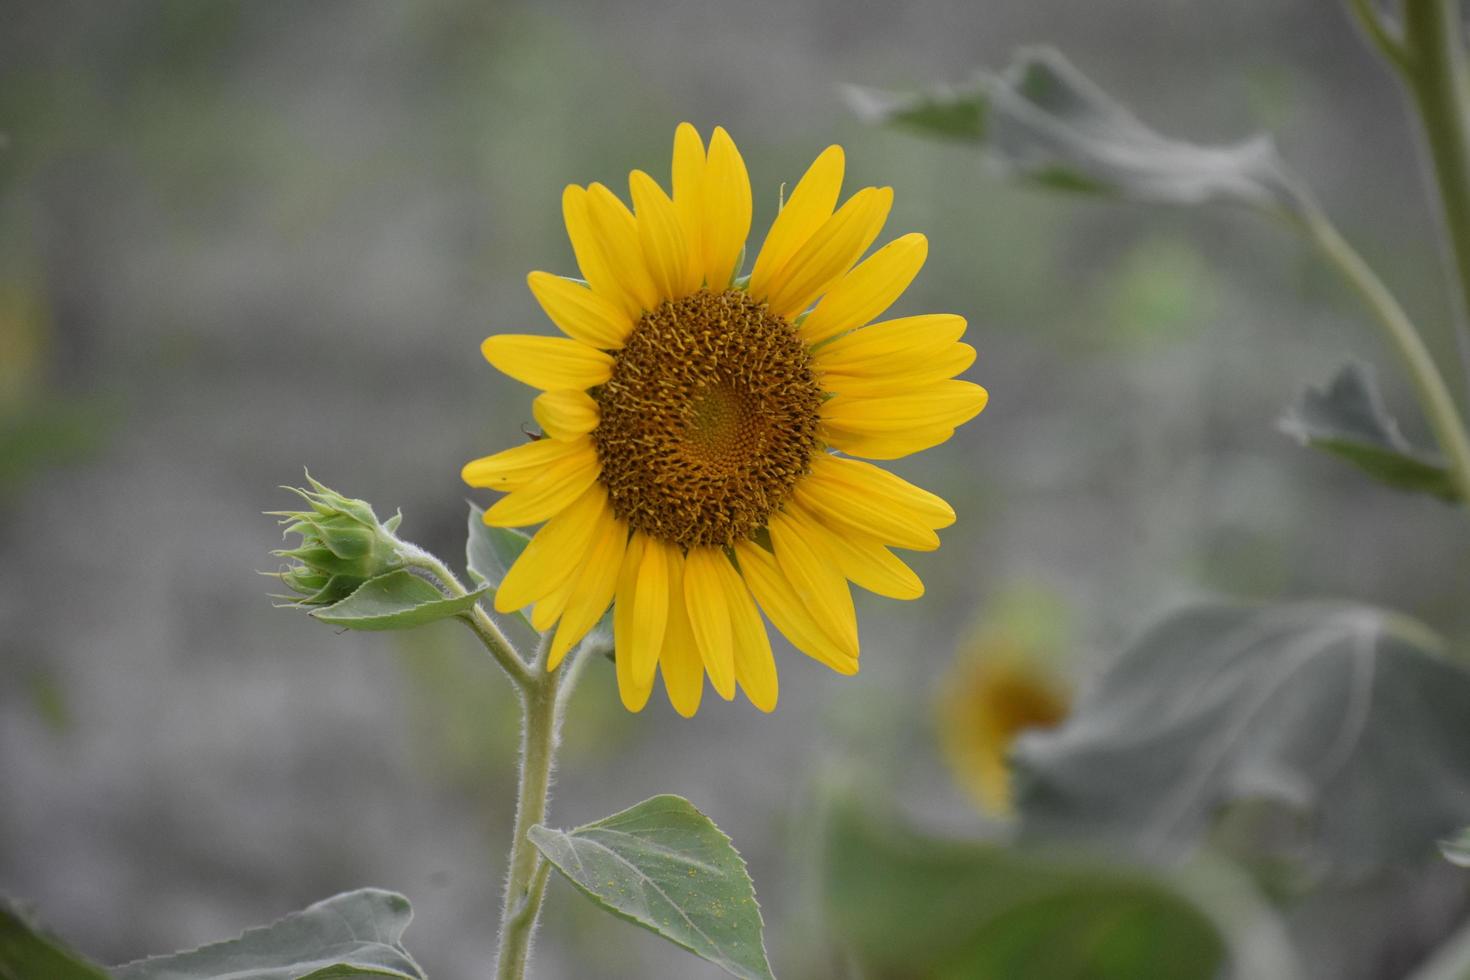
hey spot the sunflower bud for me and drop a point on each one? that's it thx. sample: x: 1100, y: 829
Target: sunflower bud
x: 343, y: 544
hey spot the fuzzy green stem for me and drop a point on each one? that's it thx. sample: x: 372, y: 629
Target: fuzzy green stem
x: 1434, y: 396
x: 525, y: 881
x: 476, y: 619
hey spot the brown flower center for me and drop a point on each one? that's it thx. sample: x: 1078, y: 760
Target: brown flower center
x: 708, y: 420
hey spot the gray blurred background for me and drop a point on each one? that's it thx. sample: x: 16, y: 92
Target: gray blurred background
x: 239, y: 239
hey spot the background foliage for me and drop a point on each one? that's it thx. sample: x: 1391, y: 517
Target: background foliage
x: 237, y: 239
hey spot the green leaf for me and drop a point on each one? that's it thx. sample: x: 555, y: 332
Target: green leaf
x: 358, y: 934
x: 489, y: 553
x: 911, y: 906
x: 27, y: 952
x: 1456, y: 850
x: 395, y: 601
x: 1349, y: 419
x: 1045, y: 122
x: 666, y: 867
x: 1340, y: 714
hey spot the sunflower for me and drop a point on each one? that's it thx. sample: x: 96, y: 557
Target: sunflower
x: 705, y: 432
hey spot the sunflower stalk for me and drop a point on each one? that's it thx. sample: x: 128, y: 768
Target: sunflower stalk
x: 1428, y: 52
x: 485, y: 629
x: 526, y: 878
x: 1429, y: 55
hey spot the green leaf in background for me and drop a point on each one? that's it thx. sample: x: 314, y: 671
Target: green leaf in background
x: 909, y: 906
x: 1341, y: 714
x: 1350, y: 420
x: 489, y: 553
x: 1045, y: 122
x: 1456, y: 850
x: 358, y: 934
x: 666, y: 867
x: 28, y: 953
x: 395, y: 601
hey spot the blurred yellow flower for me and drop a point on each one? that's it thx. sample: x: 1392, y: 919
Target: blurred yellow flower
x: 1004, y: 682
x: 691, y: 416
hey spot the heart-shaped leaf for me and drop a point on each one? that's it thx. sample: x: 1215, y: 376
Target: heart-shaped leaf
x: 665, y: 866
x: 395, y: 601
x: 906, y: 905
x: 27, y: 952
x: 1349, y: 419
x: 358, y: 934
x: 1342, y: 714
x: 1045, y: 122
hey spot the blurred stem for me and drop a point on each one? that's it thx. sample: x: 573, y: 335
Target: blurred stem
x: 1434, y: 396
x: 476, y: 619
x: 1429, y: 55
x: 526, y: 879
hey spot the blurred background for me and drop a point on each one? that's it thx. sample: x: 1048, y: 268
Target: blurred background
x: 240, y: 239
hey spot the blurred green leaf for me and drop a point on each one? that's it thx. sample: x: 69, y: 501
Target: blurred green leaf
x: 29, y: 953
x: 357, y: 934
x: 1456, y: 850
x: 1349, y: 419
x: 489, y: 553
x: 666, y: 867
x: 909, y: 906
x: 1045, y: 122
x: 395, y: 601
x: 1342, y: 714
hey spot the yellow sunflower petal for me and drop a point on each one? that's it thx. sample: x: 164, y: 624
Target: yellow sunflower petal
x: 546, y: 494
x: 726, y: 209
x: 709, y: 617
x: 549, y: 609
x: 660, y: 233
x: 755, y: 667
x: 830, y: 252
x: 873, y: 502
x: 679, y: 662
x: 596, y: 584
x: 894, y: 445
x: 788, y: 611
x: 617, y: 230
x: 808, y: 207
x: 952, y: 361
x: 579, y: 312
x: 893, y: 345
x: 688, y: 183
x: 591, y: 253
x: 631, y: 644
x: 947, y: 403
x: 810, y: 569
x: 862, y: 559
x: 514, y: 467
x: 651, y: 605
x: 553, y: 554
x: 548, y: 363
x: 565, y: 414
x: 868, y: 290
